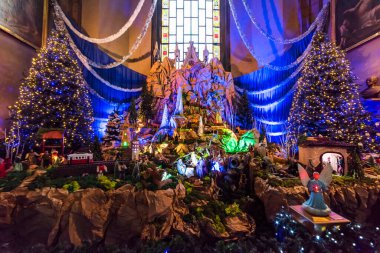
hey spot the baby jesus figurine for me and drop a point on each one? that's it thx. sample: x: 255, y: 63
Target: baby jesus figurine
x: 316, y: 205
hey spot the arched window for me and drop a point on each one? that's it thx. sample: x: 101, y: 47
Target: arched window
x: 183, y: 21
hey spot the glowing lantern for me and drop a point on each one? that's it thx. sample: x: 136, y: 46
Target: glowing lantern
x: 135, y: 150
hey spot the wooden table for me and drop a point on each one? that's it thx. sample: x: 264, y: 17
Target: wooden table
x: 316, y: 225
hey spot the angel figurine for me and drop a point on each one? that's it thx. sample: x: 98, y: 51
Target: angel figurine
x: 316, y: 205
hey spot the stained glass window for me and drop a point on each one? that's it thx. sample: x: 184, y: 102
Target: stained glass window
x: 190, y: 20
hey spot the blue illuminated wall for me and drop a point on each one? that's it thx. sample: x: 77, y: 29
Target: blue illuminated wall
x: 270, y: 92
x: 120, y: 76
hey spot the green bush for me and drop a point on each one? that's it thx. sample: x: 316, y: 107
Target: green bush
x: 349, y: 181
x: 218, y: 225
x: 12, y: 180
x: 72, y: 186
x: 233, y: 210
x: 106, y: 183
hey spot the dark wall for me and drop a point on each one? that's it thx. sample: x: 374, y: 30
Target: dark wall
x: 15, y: 60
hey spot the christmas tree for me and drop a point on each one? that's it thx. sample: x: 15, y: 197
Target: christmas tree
x: 146, y: 108
x: 132, y: 112
x: 53, y: 95
x: 327, y: 99
x: 96, y: 149
x: 244, y: 111
x: 112, y: 132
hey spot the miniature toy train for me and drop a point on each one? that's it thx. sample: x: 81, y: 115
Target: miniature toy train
x: 80, y: 158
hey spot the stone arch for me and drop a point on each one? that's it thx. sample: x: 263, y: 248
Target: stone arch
x: 335, y: 152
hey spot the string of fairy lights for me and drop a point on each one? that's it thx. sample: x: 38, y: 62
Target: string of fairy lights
x: 53, y: 95
x: 327, y: 100
x: 352, y: 237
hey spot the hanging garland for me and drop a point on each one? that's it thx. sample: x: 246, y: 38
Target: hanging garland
x: 258, y: 58
x: 110, y: 38
x: 61, y: 27
x: 272, y: 123
x: 267, y: 107
x: 271, y: 89
x: 95, y: 93
x: 318, y: 20
x: 136, y: 44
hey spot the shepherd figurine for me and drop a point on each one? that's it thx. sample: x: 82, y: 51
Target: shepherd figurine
x: 101, y: 169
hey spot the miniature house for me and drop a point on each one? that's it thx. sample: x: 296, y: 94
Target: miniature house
x: 52, y: 139
x: 318, y: 150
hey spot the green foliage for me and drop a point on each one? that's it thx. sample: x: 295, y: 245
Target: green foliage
x: 72, y: 186
x: 132, y: 112
x: 46, y: 181
x: 244, y: 111
x: 106, y: 183
x: 72, y: 183
x: 139, y: 186
x: 350, y: 181
x: 96, y: 149
x: 207, y: 179
x: 355, y: 166
x: 146, y: 106
x: 263, y: 133
x: 12, y: 180
x: 218, y: 225
x: 231, y: 144
x: 233, y: 210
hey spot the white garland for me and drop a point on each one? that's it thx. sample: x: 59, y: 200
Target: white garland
x: 258, y: 58
x: 136, y: 44
x: 275, y: 103
x: 272, y: 123
x: 317, y: 20
x: 110, y: 38
x: 273, y: 134
x: 271, y: 89
x: 61, y: 27
x: 95, y: 93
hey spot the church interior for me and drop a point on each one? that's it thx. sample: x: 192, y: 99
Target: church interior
x: 189, y: 126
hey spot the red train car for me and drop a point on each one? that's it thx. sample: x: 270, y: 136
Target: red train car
x: 80, y: 158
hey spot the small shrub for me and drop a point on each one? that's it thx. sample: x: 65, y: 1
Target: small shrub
x: 12, y: 180
x: 72, y: 186
x: 218, y: 225
x: 233, y: 210
x: 106, y: 183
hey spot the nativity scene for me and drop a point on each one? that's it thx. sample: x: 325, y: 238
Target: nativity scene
x: 189, y: 126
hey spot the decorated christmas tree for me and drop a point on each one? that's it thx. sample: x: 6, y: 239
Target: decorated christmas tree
x: 53, y: 95
x: 244, y: 111
x: 327, y: 101
x: 112, y: 132
x: 147, y: 99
